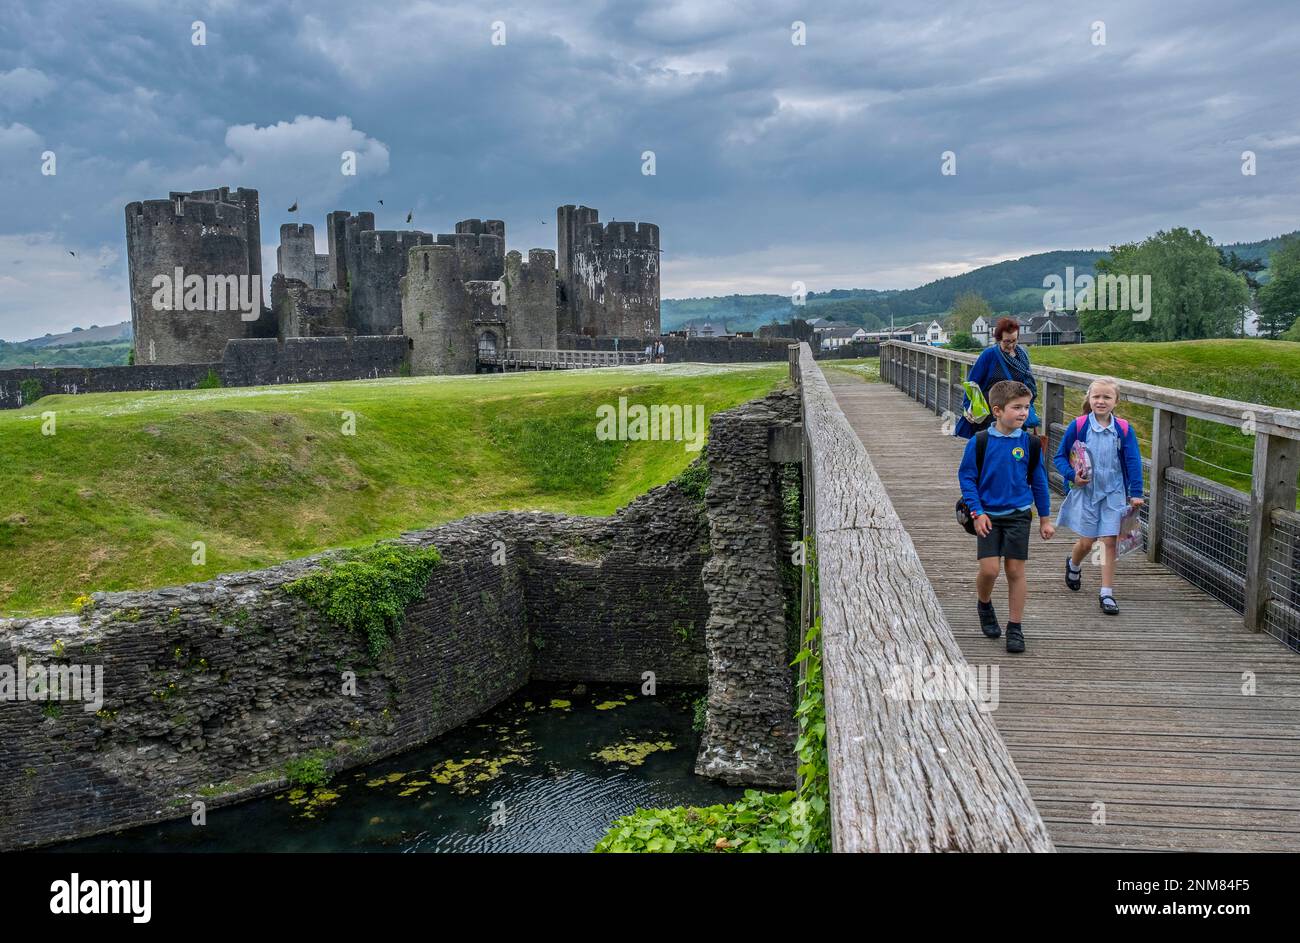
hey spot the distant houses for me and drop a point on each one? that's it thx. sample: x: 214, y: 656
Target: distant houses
x: 1044, y: 329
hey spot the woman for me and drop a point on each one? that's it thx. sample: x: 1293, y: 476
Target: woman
x: 1004, y: 360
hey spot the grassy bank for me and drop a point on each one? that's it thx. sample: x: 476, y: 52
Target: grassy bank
x: 116, y: 498
x: 1254, y: 371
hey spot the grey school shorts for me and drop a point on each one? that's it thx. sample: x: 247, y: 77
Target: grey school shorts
x: 1009, y: 537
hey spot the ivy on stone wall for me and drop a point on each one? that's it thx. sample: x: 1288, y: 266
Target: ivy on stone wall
x: 367, y: 591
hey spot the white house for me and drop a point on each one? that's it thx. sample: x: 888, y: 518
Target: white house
x: 982, y: 331
x: 831, y: 338
x: 932, y: 333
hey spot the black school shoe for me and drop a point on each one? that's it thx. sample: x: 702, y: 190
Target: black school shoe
x: 1108, y: 605
x: 1015, y: 638
x: 1073, y: 578
x: 988, y: 620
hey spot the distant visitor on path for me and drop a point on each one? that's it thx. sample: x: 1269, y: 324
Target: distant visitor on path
x: 1004, y: 360
x: 661, y: 351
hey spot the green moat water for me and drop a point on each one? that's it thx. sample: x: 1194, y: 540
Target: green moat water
x: 548, y: 770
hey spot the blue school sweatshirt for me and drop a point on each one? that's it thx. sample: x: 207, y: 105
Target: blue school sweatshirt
x: 1004, y: 486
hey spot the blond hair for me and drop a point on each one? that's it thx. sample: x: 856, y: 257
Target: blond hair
x: 1102, y: 381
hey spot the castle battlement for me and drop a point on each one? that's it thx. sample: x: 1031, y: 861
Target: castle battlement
x: 438, y: 260
x: 388, y: 240
x: 222, y: 216
x: 482, y: 242
x: 614, y: 235
x: 491, y: 227
x: 298, y: 231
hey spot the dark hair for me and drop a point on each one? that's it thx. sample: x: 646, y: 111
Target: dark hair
x: 1004, y: 391
x: 1004, y: 325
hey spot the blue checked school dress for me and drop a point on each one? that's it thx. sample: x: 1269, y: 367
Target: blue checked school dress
x: 1095, y: 510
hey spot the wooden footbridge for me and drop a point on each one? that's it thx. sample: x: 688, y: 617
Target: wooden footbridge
x: 1174, y: 726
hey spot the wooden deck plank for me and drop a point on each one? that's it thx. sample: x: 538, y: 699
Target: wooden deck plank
x: 1143, y: 711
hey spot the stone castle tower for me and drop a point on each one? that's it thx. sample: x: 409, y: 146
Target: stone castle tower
x: 608, y: 275
x: 205, y: 233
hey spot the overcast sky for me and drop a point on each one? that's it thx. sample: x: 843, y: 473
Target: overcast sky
x: 774, y: 161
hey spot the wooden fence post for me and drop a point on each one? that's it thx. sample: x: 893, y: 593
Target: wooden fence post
x: 1272, y: 487
x: 1168, y: 440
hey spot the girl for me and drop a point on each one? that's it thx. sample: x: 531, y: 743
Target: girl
x: 1094, y: 505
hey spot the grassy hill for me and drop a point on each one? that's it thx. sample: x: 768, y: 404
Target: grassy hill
x: 115, y: 499
x: 1015, y: 285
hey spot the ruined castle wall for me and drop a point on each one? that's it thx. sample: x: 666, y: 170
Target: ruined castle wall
x: 691, y: 349
x: 295, y: 257
x: 616, y: 273
x: 336, y: 239
x: 530, y: 299
x: 750, y: 729
x: 570, y: 224
x: 269, y: 361
x: 246, y: 362
x: 436, y: 312
x: 490, y: 227
x: 212, y: 688
x: 376, y: 262
x: 302, y: 311
x: 482, y: 255
x: 207, y: 233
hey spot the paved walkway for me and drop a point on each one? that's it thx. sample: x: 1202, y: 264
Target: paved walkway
x: 1143, y: 711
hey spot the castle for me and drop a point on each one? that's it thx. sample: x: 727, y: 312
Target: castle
x: 458, y: 297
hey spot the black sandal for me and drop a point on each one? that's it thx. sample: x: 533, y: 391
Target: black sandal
x: 1073, y: 578
x: 989, y: 621
x: 1109, y: 605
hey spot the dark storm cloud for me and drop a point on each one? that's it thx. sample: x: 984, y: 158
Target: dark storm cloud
x: 775, y: 162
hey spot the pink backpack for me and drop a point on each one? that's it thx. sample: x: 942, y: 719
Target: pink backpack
x: 1122, y: 423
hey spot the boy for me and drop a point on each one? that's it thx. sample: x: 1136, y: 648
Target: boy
x: 999, y: 488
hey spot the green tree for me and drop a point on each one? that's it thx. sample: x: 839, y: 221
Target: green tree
x: 963, y: 341
x: 1279, y: 300
x: 968, y: 307
x: 1192, y: 295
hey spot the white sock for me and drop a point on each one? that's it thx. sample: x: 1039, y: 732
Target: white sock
x: 1106, y: 591
x: 1069, y: 561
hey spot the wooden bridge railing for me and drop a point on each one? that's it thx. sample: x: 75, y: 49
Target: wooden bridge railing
x: 520, y: 358
x: 907, y: 772
x: 1243, y: 548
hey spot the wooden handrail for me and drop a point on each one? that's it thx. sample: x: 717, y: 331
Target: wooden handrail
x: 1269, y: 419
x: 906, y: 774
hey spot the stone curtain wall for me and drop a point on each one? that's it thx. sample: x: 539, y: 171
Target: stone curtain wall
x: 211, y: 688
x: 257, y: 674
x: 691, y: 349
x: 750, y: 730
x: 252, y: 362
x: 612, y: 598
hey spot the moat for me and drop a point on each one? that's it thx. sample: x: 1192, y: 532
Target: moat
x: 547, y: 770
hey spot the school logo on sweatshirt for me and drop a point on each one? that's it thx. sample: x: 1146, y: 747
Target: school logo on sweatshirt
x: 1018, y: 453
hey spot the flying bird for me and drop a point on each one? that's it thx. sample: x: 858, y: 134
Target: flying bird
x: 410, y: 215
x: 294, y: 208
x: 381, y: 202
x: 71, y: 253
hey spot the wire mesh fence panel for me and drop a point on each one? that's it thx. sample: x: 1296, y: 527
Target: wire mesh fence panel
x: 1282, y: 612
x: 1205, y: 534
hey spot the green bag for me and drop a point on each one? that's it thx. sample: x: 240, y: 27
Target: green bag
x: 979, y: 408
